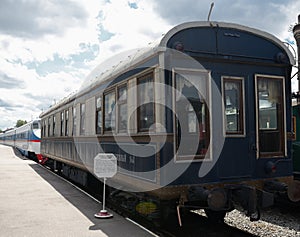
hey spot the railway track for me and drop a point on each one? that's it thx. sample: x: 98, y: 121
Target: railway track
x: 195, y: 225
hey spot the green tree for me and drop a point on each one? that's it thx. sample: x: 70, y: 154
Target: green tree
x: 20, y: 122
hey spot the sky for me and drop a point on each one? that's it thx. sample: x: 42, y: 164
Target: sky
x: 49, y: 47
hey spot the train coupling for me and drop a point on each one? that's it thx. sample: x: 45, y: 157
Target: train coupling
x: 215, y: 199
x: 274, y: 186
x: 292, y: 188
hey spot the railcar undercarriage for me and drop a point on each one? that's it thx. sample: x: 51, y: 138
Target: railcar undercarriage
x: 216, y: 200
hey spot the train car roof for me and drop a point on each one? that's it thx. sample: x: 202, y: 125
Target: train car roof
x: 23, y: 126
x: 108, y: 71
x: 254, y: 31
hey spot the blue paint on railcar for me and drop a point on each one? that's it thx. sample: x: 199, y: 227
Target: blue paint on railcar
x: 138, y: 165
x: 235, y: 53
x: 229, y: 44
x: 27, y: 136
x: 33, y: 136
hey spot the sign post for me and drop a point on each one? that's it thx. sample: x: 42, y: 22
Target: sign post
x: 105, y: 166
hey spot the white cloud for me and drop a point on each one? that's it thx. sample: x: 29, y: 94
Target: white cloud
x: 50, y: 27
x: 131, y: 28
x: 36, y: 18
x: 51, y: 30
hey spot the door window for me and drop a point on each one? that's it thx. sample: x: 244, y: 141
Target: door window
x: 109, y: 112
x: 146, y: 104
x: 270, y: 116
x: 233, y: 105
x: 192, y: 118
x: 122, y: 109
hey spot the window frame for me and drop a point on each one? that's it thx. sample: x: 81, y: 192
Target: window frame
x: 111, y: 130
x: 138, y: 122
x: 99, y: 110
x: 207, y: 157
x: 283, y: 152
x: 66, y: 122
x: 49, y: 127
x: 53, y: 125
x: 62, y: 116
x: 82, y: 119
x: 242, y: 119
x: 74, y: 122
x: 44, y: 128
x: 122, y: 102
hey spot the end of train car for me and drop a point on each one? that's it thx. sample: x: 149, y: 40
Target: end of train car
x: 296, y: 110
x: 201, y: 120
x: 294, y: 190
x: 296, y: 137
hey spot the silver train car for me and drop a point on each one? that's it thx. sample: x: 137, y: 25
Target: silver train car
x: 26, y: 138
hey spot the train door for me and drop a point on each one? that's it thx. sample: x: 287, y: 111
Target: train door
x: 237, y: 156
x: 270, y: 116
x: 192, y: 126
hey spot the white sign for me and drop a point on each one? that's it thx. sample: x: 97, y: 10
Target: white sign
x: 105, y: 165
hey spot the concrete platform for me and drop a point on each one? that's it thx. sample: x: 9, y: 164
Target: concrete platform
x: 34, y: 202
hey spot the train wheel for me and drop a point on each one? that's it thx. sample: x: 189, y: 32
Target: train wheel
x: 215, y: 216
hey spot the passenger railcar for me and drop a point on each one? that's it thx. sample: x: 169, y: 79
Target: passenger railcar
x: 201, y: 119
x: 8, y: 138
x: 26, y: 138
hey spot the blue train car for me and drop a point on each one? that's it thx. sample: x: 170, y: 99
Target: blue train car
x: 201, y: 119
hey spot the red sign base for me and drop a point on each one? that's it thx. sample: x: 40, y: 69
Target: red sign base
x: 103, y: 214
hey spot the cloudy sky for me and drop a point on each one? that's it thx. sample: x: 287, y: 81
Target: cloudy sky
x: 48, y: 47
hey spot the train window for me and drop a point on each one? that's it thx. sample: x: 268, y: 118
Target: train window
x: 67, y: 123
x: 53, y: 127
x: 62, y: 123
x: 233, y: 105
x: 109, y: 111
x: 44, y: 128
x: 74, y: 127
x: 192, y: 119
x: 49, y: 122
x: 82, y: 119
x: 270, y: 112
x: 145, y: 103
x: 35, y: 125
x: 122, y: 109
x: 98, y: 115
